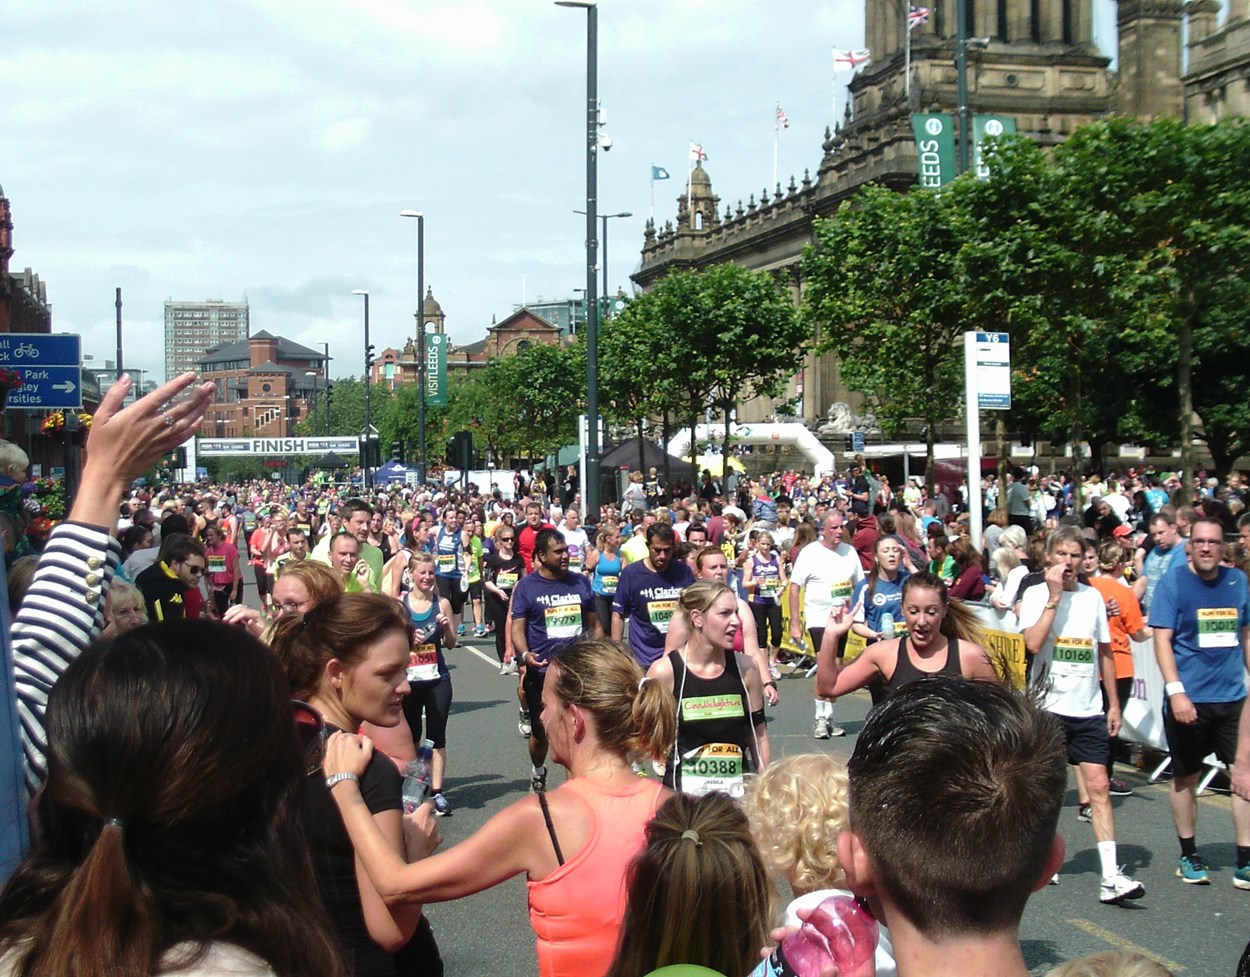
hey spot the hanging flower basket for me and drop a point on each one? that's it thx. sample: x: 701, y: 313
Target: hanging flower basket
x: 53, y: 426
x: 9, y: 380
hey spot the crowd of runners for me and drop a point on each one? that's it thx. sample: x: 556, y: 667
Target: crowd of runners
x: 646, y: 643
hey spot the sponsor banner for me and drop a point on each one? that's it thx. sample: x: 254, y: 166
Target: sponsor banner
x: 218, y: 447
x: 935, y: 147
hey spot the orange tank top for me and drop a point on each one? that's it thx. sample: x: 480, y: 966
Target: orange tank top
x: 577, y: 910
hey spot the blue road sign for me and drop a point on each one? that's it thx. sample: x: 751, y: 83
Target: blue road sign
x: 51, y: 369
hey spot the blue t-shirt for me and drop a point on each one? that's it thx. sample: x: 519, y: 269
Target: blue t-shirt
x: 1205, y: 618
x: 553, y: 611
x: 648, y: 601
x: 1156, y: 565
x: 887, y: 596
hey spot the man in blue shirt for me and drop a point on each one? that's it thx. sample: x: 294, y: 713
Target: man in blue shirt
x: 1168, y: 552
x: 551, y: 608
x: 1201, y: 622
x: 647, y: 594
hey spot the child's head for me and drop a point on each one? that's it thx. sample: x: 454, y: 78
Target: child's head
x: 13, y: 461
x: 1111, y: 963
x: 797, y: 808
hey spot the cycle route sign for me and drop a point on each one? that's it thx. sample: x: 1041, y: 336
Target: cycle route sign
x: 50, y: 365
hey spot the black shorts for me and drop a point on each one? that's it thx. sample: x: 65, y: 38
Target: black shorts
x: 1214, y: 732
x: 449, y: 587
x: 532, y: 686
x: 1087, y: 740
x: 818, y: 636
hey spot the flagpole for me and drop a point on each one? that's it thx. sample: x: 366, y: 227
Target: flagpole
x: 653, y: 192
x: 907, y: 56
x: 776, y: 140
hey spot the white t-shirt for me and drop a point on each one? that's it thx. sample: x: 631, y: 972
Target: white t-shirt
x: 826, y: 575
x: 1065, y: 671
x: 577, y: 542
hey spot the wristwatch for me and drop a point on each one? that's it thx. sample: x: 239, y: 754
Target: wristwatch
x: 339, y: 777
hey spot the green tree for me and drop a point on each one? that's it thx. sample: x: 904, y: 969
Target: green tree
x: 538, y: 393
x: 882, y: 292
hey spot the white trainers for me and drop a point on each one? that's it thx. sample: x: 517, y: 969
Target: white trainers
x: 820, y: 729
x: 1118, y: 887
x: 835, y: 730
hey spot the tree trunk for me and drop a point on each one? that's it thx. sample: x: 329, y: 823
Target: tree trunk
x: 694, y: 448
x: 1184, y: 387
x: 725, y: 448
x: 1078, y: 473
x: 929, y: 438
x: 642, y: 455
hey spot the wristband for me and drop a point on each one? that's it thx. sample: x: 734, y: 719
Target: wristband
x: 339, y: 778
x: 1051, y: 605
x: 1174, y: 688
x: 767, y: 684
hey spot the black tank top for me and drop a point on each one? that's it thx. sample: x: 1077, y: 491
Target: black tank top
x: 906, y: 672
x: 722, y: 700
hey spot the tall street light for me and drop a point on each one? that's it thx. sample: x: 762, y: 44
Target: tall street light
x: 325, y: 409
x: 364, y: 454
x: 420, y: 317
x: 590, y: 491
x: 604, y: 263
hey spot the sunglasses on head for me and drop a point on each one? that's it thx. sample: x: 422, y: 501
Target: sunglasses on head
x: 310, y: 734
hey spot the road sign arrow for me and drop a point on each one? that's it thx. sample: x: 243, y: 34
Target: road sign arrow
x: 66, y: 387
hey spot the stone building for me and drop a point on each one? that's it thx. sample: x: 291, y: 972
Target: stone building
x: 1033, y: 60
x: 23, y: 297
x: 1217, y: 80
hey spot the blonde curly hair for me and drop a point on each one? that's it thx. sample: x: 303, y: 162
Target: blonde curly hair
x: 797, y: 808
x: 1111, y: 963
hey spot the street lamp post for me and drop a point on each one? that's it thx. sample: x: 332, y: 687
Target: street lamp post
x: 326, y: 406
x: 420, y: 317
x: 590, y: 491
x: 364, y: 454
x: 312, y: 404
x: 604, y: 262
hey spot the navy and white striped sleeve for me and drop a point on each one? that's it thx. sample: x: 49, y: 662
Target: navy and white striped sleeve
x: 62, y: 612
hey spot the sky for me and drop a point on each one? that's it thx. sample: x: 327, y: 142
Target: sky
x: 262, y: 150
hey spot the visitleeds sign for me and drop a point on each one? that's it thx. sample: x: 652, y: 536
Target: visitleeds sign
x: 215, y: 447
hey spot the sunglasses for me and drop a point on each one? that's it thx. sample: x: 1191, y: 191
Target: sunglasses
x: 195, y: 571
x: 310, y: 734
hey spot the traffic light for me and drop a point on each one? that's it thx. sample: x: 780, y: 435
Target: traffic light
x: 177, y: 458
x: 397, y: 450
x: 460, y: 450
x: 369, y: 357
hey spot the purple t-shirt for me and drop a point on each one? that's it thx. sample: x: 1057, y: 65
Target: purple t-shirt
x: 648, y: 601
x: 553, y: 611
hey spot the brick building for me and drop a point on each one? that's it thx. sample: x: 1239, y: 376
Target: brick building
x: 265, y: 385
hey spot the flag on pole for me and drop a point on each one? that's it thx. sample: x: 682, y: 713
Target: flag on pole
x: 696, y: 153
x: 783, y: 120
x: 916, y: 16
x: 659, y: 173
x: 850, y: 60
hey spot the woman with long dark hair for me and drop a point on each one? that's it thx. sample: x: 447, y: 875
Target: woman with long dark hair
x: 168, y: 829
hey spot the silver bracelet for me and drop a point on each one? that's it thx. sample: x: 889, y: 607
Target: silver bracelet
x: 339, y: 777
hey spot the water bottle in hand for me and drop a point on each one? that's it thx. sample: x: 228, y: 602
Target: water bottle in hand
x: 887, y: 626
x: 417, y: 777
x: 839, y: 931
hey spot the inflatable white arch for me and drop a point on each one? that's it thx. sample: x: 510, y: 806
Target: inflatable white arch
x: 792, y: 434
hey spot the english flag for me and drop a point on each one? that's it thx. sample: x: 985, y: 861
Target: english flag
x: 696, y: 153
x: 850, y: 60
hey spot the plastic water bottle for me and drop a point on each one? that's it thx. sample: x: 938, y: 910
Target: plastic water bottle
x: 887, y: 626
x: 417, y: 777
x: 839, y: 931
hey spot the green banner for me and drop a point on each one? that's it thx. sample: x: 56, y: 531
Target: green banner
x: 935, y: 146
x: 436, y: 369
x: 987, y: 125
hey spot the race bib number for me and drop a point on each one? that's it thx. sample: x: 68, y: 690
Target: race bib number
x: 769, y: 586
x: 1217, y: 627
x: 609, y: 584
x: 422, y: 664
x: 506, y: 580
x: 841, y: 590
x: 1074, y: 651
x: 217, y: 564
x: 564, y: 621
x: 446, y: 564
x: 575, y: 565
x: 660, y: 614
x: 716, y: 766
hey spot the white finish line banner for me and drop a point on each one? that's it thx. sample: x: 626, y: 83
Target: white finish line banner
x: 217, y: 447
